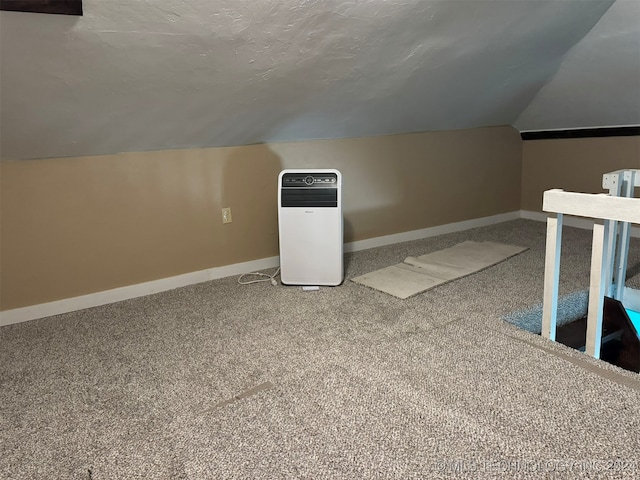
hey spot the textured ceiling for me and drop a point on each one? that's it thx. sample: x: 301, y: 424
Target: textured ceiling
x: 598, y: 83
x: 135, y: 75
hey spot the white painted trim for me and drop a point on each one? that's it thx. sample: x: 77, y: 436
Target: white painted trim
x: 34, y: 312
x: 431, y: 231
x: 569, y: 221
x: 66, y: 305
x: 598, y: 280
x: 551, y: 276
x: 592, y: 205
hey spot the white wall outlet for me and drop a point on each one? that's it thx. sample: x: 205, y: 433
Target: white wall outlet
x: 226, y: 215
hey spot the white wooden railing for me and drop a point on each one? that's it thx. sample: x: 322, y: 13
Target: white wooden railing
x: 612, y: 215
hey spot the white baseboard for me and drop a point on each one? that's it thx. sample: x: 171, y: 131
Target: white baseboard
x: 34, y: 312
x: 430, y: 232
x: 569, y: 221
x: 82, y: 302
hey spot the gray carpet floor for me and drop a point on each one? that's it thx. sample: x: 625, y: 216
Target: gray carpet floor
x: 223, y: 381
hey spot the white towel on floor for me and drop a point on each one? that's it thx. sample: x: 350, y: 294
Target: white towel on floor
x: 418, y: 274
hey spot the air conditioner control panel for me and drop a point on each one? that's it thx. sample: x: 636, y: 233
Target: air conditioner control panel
x: 318, y: 180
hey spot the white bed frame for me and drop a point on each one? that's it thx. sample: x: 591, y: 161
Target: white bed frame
x: 612, y: 214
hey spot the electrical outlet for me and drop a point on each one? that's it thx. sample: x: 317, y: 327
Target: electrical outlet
x: 226, y: 215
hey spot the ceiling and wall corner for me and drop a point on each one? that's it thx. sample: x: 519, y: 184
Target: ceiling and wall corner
x: 135, y: 75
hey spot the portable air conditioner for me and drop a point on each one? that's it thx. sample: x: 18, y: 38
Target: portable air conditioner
x: 310, y: 226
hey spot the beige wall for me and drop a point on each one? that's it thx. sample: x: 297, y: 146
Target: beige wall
x: 573, y: 164
x: 74, y: 226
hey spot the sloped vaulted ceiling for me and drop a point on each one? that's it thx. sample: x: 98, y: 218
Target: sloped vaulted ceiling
x: 598, y: 83
x: 158, y: 74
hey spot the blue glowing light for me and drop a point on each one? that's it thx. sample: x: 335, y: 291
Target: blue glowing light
x: 635, y: 319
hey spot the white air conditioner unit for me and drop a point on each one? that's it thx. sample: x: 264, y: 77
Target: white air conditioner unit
x: 311, y: 227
